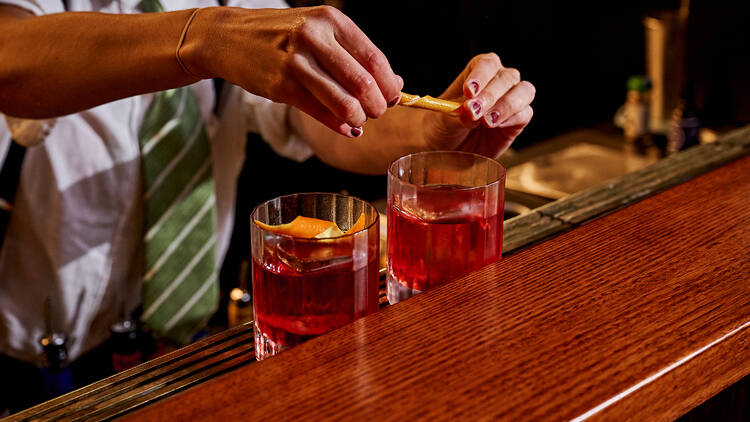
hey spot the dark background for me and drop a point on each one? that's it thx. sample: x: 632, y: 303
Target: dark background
x: 577, y: 54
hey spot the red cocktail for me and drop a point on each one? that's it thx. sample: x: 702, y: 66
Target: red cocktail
x: 304, y: 287
x: 445, y: 219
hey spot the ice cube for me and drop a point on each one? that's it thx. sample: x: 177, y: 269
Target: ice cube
x: 319, y: 258
x: 437, y: 214
x: 330, y: 232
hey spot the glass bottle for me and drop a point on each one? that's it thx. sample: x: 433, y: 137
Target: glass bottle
x: 240, y: 306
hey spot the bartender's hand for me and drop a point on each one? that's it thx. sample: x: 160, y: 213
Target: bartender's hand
x: 496, y: 107
x: 315, y: 59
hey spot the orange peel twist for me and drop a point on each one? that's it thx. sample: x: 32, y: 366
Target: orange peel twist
x: 428, y: 103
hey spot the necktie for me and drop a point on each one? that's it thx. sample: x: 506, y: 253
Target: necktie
x: 180, y: 284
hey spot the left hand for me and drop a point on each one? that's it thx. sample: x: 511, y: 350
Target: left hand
x: 496, y: 108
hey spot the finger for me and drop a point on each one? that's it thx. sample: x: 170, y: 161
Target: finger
x: 467, y: 116
x: 310, y: 105
x: 483, y: 69
x: 327, y: 91
x: 515, y: 100
x: 496, y: 148
x: 521, y: 119
x: 352, y: 76
x: 503, y: 82
x: 351, y: 38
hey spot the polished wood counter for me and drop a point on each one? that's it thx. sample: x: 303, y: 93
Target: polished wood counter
x: 522, y: 319
x: 640, y: 314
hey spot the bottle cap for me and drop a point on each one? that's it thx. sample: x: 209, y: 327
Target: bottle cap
x: 55, y: 350
x: 639, y: 83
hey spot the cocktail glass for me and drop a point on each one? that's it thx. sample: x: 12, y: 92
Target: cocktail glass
x: 304, y: 287
x: 445, y: 219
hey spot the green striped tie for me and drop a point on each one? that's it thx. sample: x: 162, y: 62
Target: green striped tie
x: 180, y: 285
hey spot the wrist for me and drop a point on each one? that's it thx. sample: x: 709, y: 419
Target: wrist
x: 197, y: 48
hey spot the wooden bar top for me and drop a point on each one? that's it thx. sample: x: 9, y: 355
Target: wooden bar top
x: 641, y: 314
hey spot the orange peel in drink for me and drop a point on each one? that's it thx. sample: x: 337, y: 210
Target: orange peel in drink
x: 308, y: 227
x: 358, y: 225
x: 299, y: 227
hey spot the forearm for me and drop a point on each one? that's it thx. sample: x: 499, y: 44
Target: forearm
x: 63, y: 63
x: 385, y: 139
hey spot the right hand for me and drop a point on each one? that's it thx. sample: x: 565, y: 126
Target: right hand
x: 315, y: 59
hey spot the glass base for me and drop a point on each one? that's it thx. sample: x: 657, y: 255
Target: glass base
x: 397, y: 291
x: 264, y: 346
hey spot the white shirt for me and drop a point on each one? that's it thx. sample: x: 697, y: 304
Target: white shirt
x: 75, y: 232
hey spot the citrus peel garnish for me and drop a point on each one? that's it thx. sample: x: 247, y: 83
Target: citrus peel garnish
x: 427, y: 102
x: 299, y: 227
x: 358, y: 225
x: 309, y: 227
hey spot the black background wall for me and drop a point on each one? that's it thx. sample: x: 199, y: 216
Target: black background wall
x: 577, y: 54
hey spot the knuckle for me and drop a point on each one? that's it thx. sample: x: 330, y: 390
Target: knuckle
x: 377, y: 109
x: 306, y: 33
x: 516, y: 104
x: 304, y: 36
x: 361, y: 85
x: 349, y: 110
x: 294, y: 63
x: 504, y: 107
x: 326, y: 12
x: 482, y: 100
x: 374, y: 60
x: 531, y: 88
x: 492, y: 57
x: 514, y: 75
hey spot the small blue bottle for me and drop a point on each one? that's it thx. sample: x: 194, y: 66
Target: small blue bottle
x: 56, y: 374
x: 57, y: 377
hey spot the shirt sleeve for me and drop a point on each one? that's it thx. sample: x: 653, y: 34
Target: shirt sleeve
x: 37, y: 7
x: 271, y: 121
x: 257, y: 4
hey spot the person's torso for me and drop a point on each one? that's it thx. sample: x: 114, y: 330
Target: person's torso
x: 76, y: 229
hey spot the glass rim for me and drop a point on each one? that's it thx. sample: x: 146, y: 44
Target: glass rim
x: 289, y: 236
x: 500, y: 177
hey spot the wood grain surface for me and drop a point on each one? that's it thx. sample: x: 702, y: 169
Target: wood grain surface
x: 641, y: 314
x: 581, y: 207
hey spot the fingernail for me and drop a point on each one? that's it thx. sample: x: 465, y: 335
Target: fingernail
x: 495, y: 116
x: 476, y: 107
x: 356, y: 131
x: 394, y: 101
x: 474, y: 85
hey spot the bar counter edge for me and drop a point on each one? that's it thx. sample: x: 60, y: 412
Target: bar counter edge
x: 218, y: 354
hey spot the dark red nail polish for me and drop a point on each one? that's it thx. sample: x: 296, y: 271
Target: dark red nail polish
x: 495, y: 116
x: 476, y: 107
x: 394, y: 101
x: 474, y: 87
x: 356, y: 131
